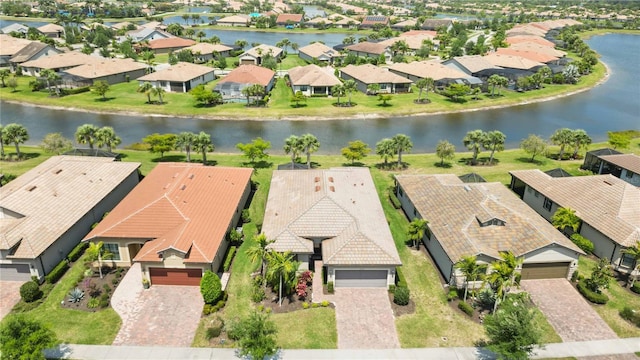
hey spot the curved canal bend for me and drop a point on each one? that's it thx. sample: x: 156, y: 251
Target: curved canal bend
x: 614, y: 105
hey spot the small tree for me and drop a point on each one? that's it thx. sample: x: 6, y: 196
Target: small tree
x: 13, y: 83
x: 184, y: 141
x: 15, y: 134
x: 293, y: 146
x: 473, y: 140
x: 160, y: 143
x: 4, y: 73
x: 205, y: 96
x: 256, y: 149
x: 494, y: 141
x: 511, y: 330
x: 401, y: 144
x: 297, y: 98
x: 600, y: 276
x: 562, y: 137
x: 86, y: 134
x: 634, y: 252
x: 55, y: 143
x: 202, y: 144
x: 384, y: 98
x: 256, y: 336
x: 385, y: 149
x: 309, y: 144
x: 416, y: 230
x: 619, y: 140
x: 425, y: 85
x: 147, y: 89
x: 24, y: 338
x: 565, y: 218
x: 355, y: 151
x: 101, y: 87
x: 210, y: 287
x: 445, y: 150
x: 97, y: 251
x: 469, y: 267
x: 533, y: 145
x: 106, y: 136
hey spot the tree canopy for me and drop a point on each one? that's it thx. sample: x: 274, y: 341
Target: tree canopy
x: 23, y: 338
x: 160, y: 143
x: 355, y: 151
x: 256, y: 149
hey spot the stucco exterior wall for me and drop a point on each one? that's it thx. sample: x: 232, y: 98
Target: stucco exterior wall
x: 630, y: 177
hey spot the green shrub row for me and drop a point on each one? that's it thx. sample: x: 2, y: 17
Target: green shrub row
x: 210, y: 309
x: 394, y: 199
x: 227, y: 261
x: 330, y: 287
x: 594, y: 297
x: 636, y: 287
x: 466, y: 308
x: 583, y: 243
x: 401, y: 296
x: 57, y: 272
x: 77, y: 251
x: 400, y: 280
x: 630, y: 315
x: 78, y: 90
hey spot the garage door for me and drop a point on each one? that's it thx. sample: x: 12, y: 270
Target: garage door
x: 545, y: 271
x: 15, y: 272
x: 162, y: 276
x: 361, y: 278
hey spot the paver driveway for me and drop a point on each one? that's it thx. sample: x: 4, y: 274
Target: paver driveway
x: 161, y: 315
x: 567, y: 311
x: 9, y: 296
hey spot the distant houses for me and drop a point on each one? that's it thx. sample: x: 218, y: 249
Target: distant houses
x: 180, y: 77
x: 243, y: 76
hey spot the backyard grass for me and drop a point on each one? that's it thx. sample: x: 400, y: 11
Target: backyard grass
x: 619, y: 297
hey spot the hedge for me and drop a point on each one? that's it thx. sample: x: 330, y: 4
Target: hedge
x: 77, y: 251
x: 583, y: 243
x: 594, y: 297
x: 229, y: 258
x: 400, y: 280
x: 630, y: 315
x: 57, y: 272
x: 74, y: 91
x: 394, y: 200
x: 468, y: 309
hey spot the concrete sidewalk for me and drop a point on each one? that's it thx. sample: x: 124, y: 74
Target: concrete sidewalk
x: 568, y: 349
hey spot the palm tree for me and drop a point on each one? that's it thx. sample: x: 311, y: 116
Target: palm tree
x: 281, y: 266
x: 147, y: 89
x: 562, y: 137
x: 16, y: 134
x: 106, y: 136
x: 310, y: 144
x: 494, y: 141
x: 185, y: 141
x: 338, y: 91
x: 503, y: 274
x: 200, y: 34
x: 202, y: 143
x: 96, y: 251
x: 148, y: 57
x: 416, y: 231
x: 580, y: 140
x: 284, y: 43
x: 634, y: 252
x: 241, y: 43
x: 158, y: 91
x: 385, y: 149
x: 259, y: 251
x: 473, y: 140
x: 293, y: 146
x: 86, y: 134
x: 424, y: 84
x: 401, y: 143
x: 469, y: 267
x: 565, y: 218
x: 52, y: 78
x: 349, y: 87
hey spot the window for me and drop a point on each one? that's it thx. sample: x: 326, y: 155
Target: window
x: 629, y: 174
x: 536, y: 194
x: 383, y: 86
x: 627, y: 260
x: 400, y: 192
x: 114, y: 249
x: 547, y: 204
x: 303, y: 88
x: 415, y: 212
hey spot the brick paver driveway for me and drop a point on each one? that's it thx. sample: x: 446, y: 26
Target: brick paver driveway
x: 567, y: 311
x: 9, y: 296
x: 162, y: 315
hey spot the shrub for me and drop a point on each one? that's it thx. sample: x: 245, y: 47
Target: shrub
x: 466, y: 308
x: 246, y: 217
x: 394, y: 199
x: 592, y: 296
x: 57, y: 272
x: 114, y: 281
x: 210, y: 287
x: 400, y: 280
x: 324, y: 303
x: 107, y: 288
x: 76, y: 295
x: 306, y: 277
x: 575, y: 276
x: 260, y: 308
x: 77, y: 251
x: 315, y: 305
x: 229, y: 258
x: 392, y: 288
x: 636, y: 287
x: 301, y: 290
x: 268, y: 310
x: 257, y: 294
x: 401, y: 296
x: 213, y: 332
x: 487, y: 297
x: 330, y: 287
x: 583, y: 243
x: 452, y: 294
x: 93, y: 303
x: 78, y: 90
x: 207, y: 309
x: 104, y: 300
x: 30, y: 291
x: 630, y: 315
x: 305, y: 305
x: 220, y: 304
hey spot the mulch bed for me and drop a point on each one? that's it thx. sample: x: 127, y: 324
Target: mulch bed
x: 110, y: 278
x: 478, y: 314
x: 399, y: 310
x: 289, y: 303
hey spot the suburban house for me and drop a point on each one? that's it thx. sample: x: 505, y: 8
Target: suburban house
x: 58, y: 62
x: 313, y: 80
x: 529, y: 55
x: 254, y: 55
x: 607, y: 207
x: 9, y: 46
x: 343, y: 22
x: 319, y: 23
x: 367, y: 74
x: 244, y: 76
x: 15, y: 28
x: 436, y: 24
x: 483, y: 219
x: 332, y: 218
x: 203, y: 52
x: 371, y: 50
x: 529, y: 39
x: 474, y: 65
x: 608, y: 161
x: 45, y: 212
x: 414, y: 42
x: 165, y: 46
x: 537, y: 48
x: 145, y: 34
x: 113, y: 71
x: 294, y: 20
x: 33, y: 51
x: 442, y: 75
x: 176, y: 222
x: 180, y: 77
x: 512, y: 66
x: 318, y: 52
x: 403, y: 25
x: 371, y: 21
x: 234, y: 20
x: 51, y: 30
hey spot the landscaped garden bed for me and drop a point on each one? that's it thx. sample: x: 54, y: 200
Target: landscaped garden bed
x: 95, y: 291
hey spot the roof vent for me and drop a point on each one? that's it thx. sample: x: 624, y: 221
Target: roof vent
x: 183, y: 187
x: 332, y: 189
x: 57, y: 171
x: 31, y: 188
x: 467, y: 188
x: 191, y: 176
x: 330, y: 178
x: 608, y: 183
x: 317, y: 179
x: 317, y: 188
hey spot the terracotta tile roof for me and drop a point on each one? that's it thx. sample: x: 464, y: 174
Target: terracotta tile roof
x: 369, y: 47
x: 63, y: 60
x: 371, y: 74
x: 630, y: 162
x: 284, y: 18
x: 52, y: 197
x: 313, y: 75
x: 525, y: 29
x: 537, y: 48
x: 339, y: 205
x: 317, y: 49
x: 529, y: 39
x: 51, y: 28
x: 186, y: 207
x: 262, y: 50
x: 106, y: 67
x: 529, y: 55
x: 249, y: 74
x: 207, y: 48
x: 428, y: 69
x: 179, y: 72
x: 10, y: 45
x: 474, y: 63
x: 170, y: 43
x: 605, y: 202
x: 512, y: 61
x: 455, y: 211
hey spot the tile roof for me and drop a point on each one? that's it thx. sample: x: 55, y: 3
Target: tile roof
x: 428, y: 69
x: 14, y: 27
x: 27, y: 52
x: 10, y: 45
x: 313, y: 75
x: 50, y: 28
x: 317, y: 49
x: 284, y: 18
x: 605, y: 202
x: 105, y: 67
x: 474, y: 63
x: 235, y: 19
x: 63, y: 60
x: 249, y: 74
x: 512, y: 61
x: 630, y: 162
x: 538, y: 48
x: 455, y: 211
x: 369, y: 47
x: 170, y: 43
x: 339, y: 206
x: 208, y: 48
x: 262, y: 50
x: 52, y: 197
x: 371, y: 74
x: 529, y: 55
x: 180, y: 72
x: 187, y: 207
x: 529, y: 39
x: 375, y: 19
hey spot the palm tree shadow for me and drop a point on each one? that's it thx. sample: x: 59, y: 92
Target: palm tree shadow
x: 170, y: 158
x: 104, y: 99
x: 354, y: 164
x: 446, y: 165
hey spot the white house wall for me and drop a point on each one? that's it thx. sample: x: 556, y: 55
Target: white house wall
x: 391, y: 272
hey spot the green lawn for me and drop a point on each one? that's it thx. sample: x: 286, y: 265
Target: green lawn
x: 619, y: 297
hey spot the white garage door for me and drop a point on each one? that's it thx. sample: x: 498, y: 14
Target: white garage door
x: 15, y: 272
x: 361, y: 278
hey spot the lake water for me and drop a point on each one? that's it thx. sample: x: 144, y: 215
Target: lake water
x: 614, y: 105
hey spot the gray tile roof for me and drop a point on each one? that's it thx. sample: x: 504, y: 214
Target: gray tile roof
x: 339, y: 206
x: 630, y: 162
